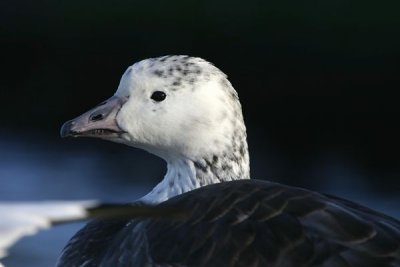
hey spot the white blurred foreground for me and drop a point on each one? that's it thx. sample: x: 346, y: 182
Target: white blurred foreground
x: 19, y: 219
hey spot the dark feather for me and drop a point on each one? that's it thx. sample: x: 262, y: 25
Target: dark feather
x: 244, y: 223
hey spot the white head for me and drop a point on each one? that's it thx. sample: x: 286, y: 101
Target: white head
x: 180, y: 108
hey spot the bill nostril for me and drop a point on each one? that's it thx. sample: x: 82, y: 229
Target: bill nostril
x: 96, y: 117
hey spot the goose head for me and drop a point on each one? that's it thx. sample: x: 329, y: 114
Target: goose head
x: 180, y: 108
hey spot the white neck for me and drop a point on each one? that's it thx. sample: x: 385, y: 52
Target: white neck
x: 180, y: 178
x: 184, y: 175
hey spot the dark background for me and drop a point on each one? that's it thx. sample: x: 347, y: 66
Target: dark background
x: 318, y: 81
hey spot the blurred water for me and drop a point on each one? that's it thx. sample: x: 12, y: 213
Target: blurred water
x: 37, y: 170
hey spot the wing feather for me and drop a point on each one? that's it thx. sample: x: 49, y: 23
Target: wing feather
x: 257, y: 223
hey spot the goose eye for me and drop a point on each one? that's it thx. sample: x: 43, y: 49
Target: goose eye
x: 158, y: 96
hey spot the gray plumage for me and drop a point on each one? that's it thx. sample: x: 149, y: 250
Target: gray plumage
x: 244, y: 223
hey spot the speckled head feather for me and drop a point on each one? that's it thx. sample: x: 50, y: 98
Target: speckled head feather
x: 184, y: 110
x: 198, y: 128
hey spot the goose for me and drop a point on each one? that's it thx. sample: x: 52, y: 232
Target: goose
x: 184, y: 110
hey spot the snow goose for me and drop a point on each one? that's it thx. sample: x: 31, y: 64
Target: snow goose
x: 184, y: 110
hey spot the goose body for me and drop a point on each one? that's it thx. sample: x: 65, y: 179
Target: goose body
x: 184, y: 110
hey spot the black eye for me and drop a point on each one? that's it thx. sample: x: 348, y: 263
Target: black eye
x: 158, y: 96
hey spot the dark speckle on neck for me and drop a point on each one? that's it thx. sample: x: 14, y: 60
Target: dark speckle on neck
x: 214, y: 159
x: 200, y: 166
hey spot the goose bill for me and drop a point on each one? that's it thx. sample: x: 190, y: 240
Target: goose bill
x: 98, y: 122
